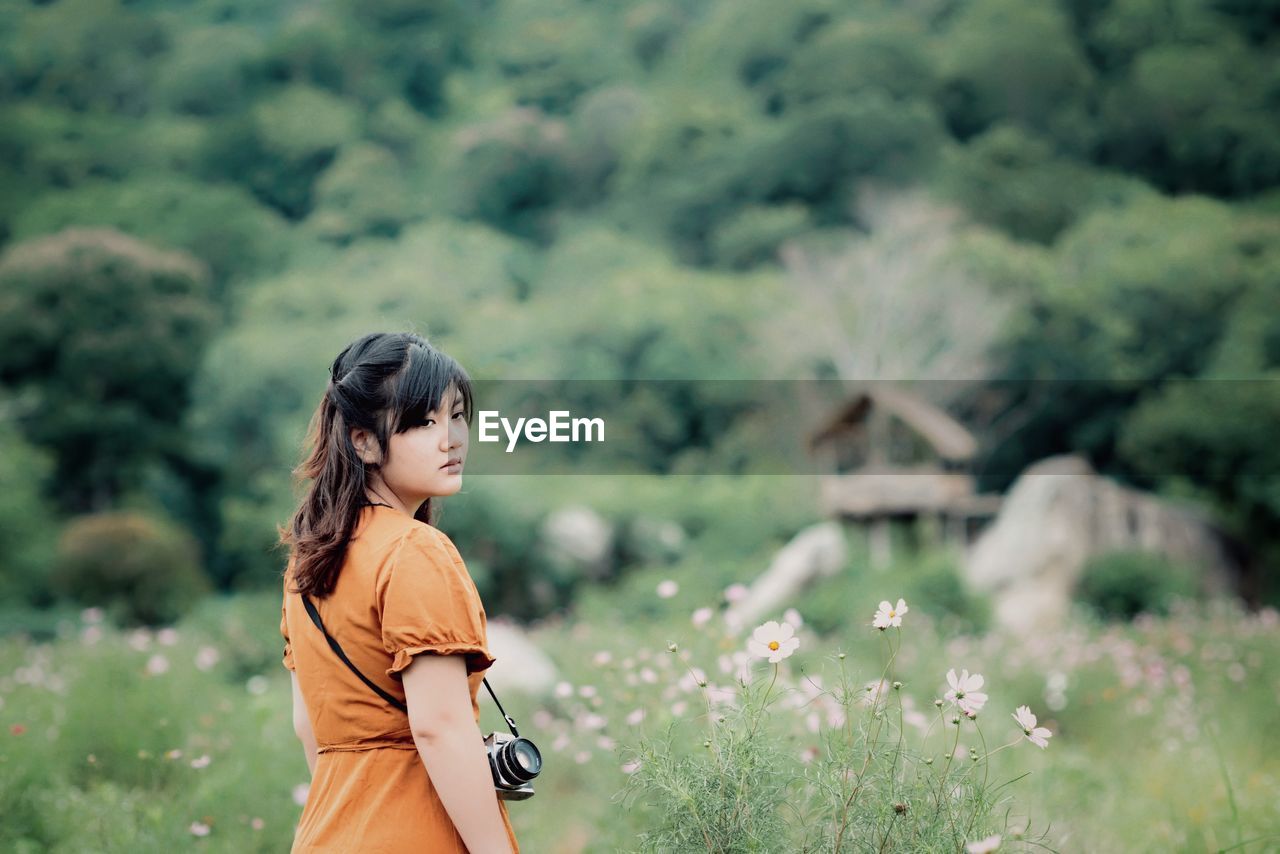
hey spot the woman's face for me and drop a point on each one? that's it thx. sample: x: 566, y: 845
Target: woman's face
x: 426, y: 460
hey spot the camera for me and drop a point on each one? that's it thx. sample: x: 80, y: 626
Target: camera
x: 514, y: 762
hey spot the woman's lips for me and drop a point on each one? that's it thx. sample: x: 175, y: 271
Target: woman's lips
x: 452, y: 466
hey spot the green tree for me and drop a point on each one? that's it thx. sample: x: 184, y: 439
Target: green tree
x: 279, y: 148
x: 104, y: 332
x: 221, y: 224
x: 1196, y: 118
x: 364, y: 191
x: 1004, y: 59
x: 211, y: 71
x: 510, y: 171
x: 89, y: 55
x: 26, y: 520
x: 1154, y: 350
x: 1013, y: 180
x: 854, y: 56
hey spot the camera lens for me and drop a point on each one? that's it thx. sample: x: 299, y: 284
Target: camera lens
x: 528, y: 757
x: 520, y: 759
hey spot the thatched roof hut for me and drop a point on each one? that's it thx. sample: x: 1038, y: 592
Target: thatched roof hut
x: 852, y: 421
x: 891, y: 453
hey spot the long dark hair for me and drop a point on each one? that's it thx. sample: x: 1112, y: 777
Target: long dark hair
x: 384, y: 382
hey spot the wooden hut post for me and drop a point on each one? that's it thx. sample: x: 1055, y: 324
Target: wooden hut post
x: 880, y: 540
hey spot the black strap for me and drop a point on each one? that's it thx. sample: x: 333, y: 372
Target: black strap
x: 333, y: 644
x: 511, y: 723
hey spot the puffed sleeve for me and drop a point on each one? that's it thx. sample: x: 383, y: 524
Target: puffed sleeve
x: 284, y: 631
x: 429, y: 604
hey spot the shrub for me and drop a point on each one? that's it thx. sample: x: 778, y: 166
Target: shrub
x: 139, y: 568
x: 1121, y: 585
x: 930, y: 578
x: 936, y: 584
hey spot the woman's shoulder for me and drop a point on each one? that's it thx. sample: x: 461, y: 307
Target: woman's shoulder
x: 425, y: 541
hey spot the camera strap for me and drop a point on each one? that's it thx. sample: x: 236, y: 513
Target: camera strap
x: 333, y: 644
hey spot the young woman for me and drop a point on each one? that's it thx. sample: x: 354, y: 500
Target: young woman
x: 389, y: 436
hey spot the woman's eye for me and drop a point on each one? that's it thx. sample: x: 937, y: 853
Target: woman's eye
x: 459, y: 414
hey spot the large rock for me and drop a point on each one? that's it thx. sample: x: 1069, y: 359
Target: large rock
x: 519, y: 664
x: 818, y: 551
x: 1058, y: 515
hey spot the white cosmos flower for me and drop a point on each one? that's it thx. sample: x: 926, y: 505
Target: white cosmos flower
x: 774, y: 641
x: 1038, y: 735
x: 890, y: 615
x: 964, y: 691
x: 984, y: 846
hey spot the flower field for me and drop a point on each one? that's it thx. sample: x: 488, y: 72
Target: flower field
x: 681, y: 732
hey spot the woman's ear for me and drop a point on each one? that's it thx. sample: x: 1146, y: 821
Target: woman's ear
x: 365, y: 444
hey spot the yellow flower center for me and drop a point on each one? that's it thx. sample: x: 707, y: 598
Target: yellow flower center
x: 892, y: 613
x: 773, y: 645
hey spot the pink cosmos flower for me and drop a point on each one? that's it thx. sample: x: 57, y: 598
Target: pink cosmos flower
x: 701, y: 617
x: 984, y: 846
x: 667, y: 589
x: 206, y: 658
x: 774, y: 641
x: 890, y: 615
x: 1037, y: 735
x: 964, y: 691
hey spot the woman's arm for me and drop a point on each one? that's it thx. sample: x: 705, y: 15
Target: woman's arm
x: 302, y: 725
x: 452, y: 748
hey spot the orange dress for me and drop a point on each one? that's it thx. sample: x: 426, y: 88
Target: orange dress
x: 403, y: 590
